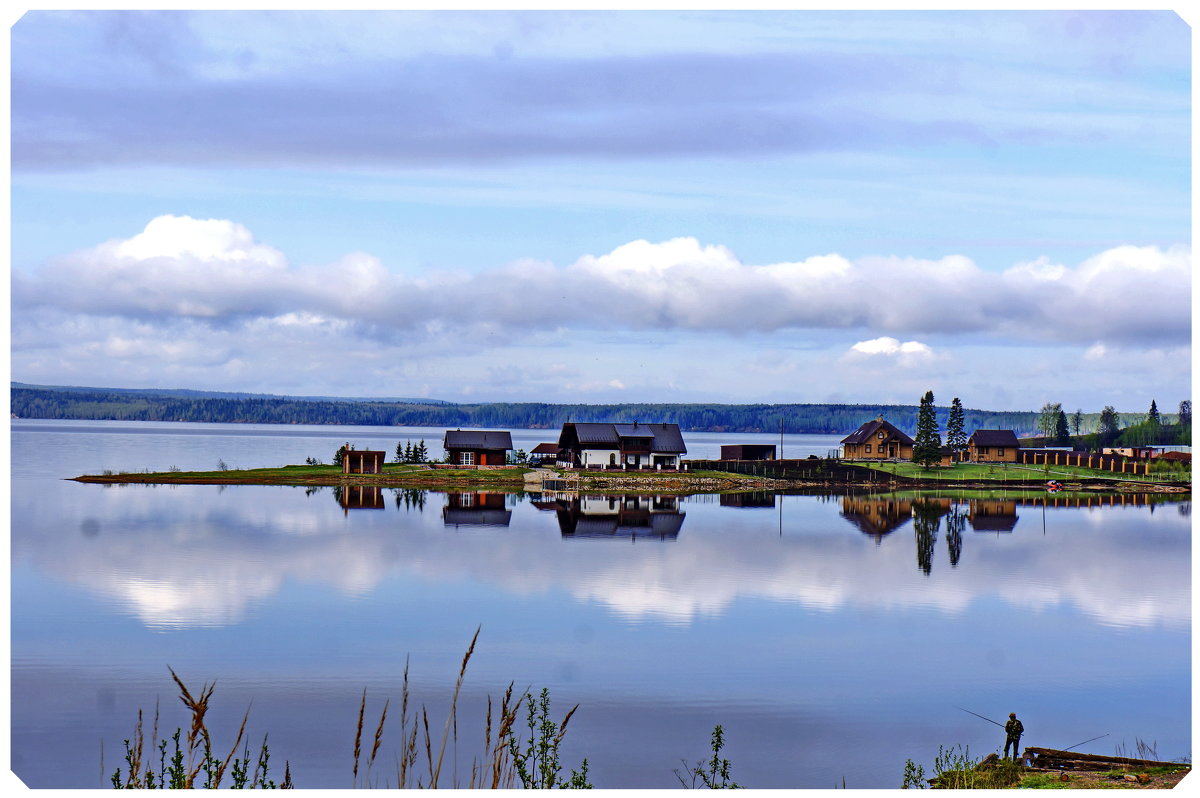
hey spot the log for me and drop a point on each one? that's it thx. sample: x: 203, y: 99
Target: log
x: 1070, y: 760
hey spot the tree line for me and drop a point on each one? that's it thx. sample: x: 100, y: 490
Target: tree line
x: 1056, y: 429
x: 128, y: 405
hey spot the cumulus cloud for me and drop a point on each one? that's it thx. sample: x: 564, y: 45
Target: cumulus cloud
x: 890, y: 346
x: 216, y: 273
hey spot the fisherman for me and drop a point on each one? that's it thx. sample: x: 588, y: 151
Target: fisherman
x: 1013, y: 730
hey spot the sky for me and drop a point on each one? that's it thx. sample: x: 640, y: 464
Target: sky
x: 595, y: 207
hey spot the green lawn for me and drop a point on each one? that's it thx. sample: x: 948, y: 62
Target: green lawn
x: 1012, y: 471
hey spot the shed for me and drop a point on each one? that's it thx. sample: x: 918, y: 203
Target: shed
x: 362, y: 461
x: 748, y: 451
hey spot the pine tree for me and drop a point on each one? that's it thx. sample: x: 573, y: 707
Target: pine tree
x: 399, y: 454
x: 1062, y: 433
x: 408, y: 452
x: 956, y: 435
x: 420, y: 453
x: 928, y: 443
x: 1152, y: 416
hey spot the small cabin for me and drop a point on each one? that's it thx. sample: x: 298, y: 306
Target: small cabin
x: 363, y: 461
x: 993, y: 446
x: 748, y: 451
x: 477, y: 447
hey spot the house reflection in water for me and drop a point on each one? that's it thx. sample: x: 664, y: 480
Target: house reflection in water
x: 475, y: 509
x: 359, y: 497
x: 756, y: 499
x: 632, y: 517
x: 992, y: 515
x: 877, y: 515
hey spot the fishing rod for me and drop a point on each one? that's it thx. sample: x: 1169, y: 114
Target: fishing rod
x: 989, y: 720
x: 1085, y: 741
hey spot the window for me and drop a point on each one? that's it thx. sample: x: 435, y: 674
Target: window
x: 1000, y: 452
x: 466, y: 458
x: 612, y: 459
x: 466, y: 499
x: 868, y: 450
x: 881, y: 435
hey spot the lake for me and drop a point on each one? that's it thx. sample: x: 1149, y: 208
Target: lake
x: 832, y: 636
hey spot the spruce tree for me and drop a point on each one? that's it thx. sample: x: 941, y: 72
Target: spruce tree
x: 399, y: 453
x: 1062, y: 433
x: 956, y: 435
x: 408, y: 452
x: 928, y: 443
x: 420, y: 453
x: 1152, y: 416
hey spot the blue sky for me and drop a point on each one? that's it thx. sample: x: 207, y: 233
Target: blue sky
x: 606, y: 206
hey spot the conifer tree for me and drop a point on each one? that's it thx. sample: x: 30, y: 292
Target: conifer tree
x: 1153, y: 416
x: 928, y: 443
x: 1185, y: 412
x: 408, y: 452
x: 956, y: 435
x: 1062, y: 433
x: 399, y: 453
x: 1076, y: 421
x: 420, y: 453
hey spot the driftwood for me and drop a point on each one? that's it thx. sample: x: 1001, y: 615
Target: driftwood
x: 1053, y: 759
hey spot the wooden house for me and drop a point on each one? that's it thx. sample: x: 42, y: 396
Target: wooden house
x: 620, y: 446
x: 475, y: 509
x: 877, y: 440
x: 477, y: 447
x: 992, y: 446
x: 748, y: 451
x: 362, y: 461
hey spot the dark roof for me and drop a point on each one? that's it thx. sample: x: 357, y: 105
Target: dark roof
x: 867, y: 430
x: 477, y: 439
x: 994, y: 437
x: 545, y: 448
x: 666, y: 437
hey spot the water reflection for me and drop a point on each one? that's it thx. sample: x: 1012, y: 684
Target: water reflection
x: 359, y: 497
x: 631, y: 517
x: 193, y: 557
x: 475, y: 509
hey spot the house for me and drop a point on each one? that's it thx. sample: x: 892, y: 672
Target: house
x: 748, y: 451
x: 477, y: 447
x: 362, y: 461
x: 992, y: 446
x: 877, y: 440
x: 628, y: 446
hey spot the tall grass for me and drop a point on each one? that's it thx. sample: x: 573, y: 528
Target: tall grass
x: 507, y: 760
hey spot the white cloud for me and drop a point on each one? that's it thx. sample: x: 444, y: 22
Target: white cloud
x: 1095, y: 352
x: 215, y: 270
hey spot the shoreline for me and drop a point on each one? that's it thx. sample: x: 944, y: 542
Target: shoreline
x: 508, y: 479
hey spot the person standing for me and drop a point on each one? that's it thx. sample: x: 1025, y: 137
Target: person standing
x: 1013, y: 731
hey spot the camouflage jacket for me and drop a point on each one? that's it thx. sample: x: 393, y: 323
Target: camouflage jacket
x: 1014, y: 728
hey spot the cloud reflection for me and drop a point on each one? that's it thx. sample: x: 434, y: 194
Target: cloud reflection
x: 172, y: 560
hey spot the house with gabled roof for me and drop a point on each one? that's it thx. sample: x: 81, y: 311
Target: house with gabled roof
x: 620, y: 446
x: 477, y: 447
x: 877, y: 440
x: 992, y: 446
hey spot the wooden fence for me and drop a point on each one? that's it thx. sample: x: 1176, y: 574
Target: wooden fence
x: 1102, y: 462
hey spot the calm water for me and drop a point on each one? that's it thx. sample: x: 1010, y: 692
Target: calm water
x: 832, y: 636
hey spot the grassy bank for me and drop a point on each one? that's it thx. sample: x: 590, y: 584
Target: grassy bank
x: 1011, y: 472
x: 394, y: 475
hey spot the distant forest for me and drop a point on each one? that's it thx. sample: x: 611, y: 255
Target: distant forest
x: 133, y: 405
